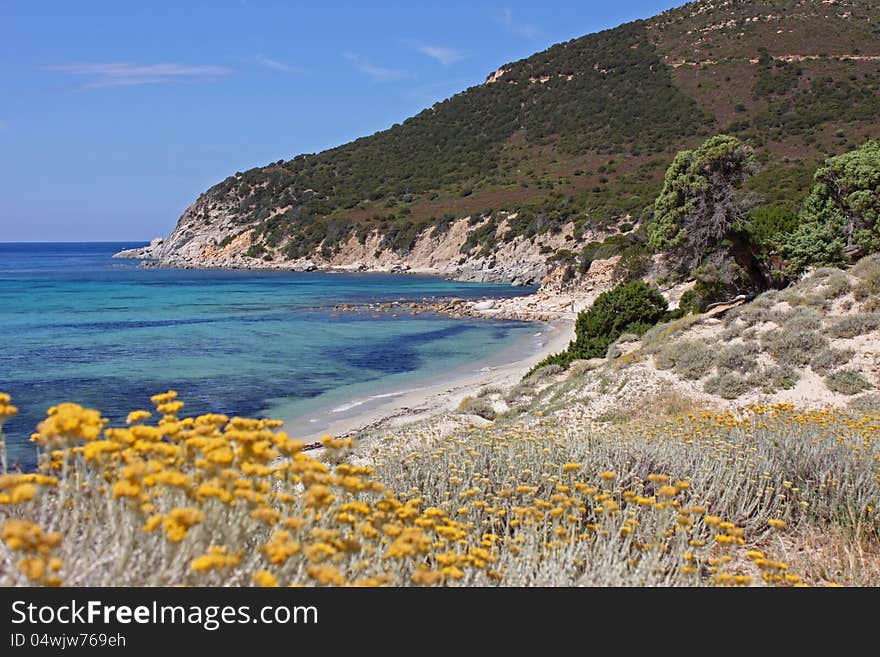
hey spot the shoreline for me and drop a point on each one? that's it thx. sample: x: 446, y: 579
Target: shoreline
x: 436, y: 396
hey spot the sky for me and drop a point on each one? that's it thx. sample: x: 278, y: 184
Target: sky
x: 115, y: 116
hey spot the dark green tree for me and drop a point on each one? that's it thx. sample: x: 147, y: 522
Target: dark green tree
x: 700, y: 205
x: 839, y: 219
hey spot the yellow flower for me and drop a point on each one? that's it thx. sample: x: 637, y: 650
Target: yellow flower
x: 607, y: 475
x: 217, y: 557
x: 326, y: 575
x: 137, y: 416
x: 164, y: 397
x: 125, y: 488
x: 570, y: 467
x: 23, y: 493
x: 776, y: 523
x: 426, y: 577
x: 32, y: 567
x: 280, y: 548
x: 152, y: 522
x: 68, y: 423
x: 264, y: 578
x: 667, y: 491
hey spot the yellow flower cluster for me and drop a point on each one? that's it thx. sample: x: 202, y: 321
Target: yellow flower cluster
x: 38, y: 564
x: 217, y: 500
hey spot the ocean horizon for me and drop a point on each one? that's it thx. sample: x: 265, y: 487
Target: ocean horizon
x: 81, y: 326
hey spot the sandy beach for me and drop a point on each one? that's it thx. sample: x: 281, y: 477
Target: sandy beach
x: 442, y: 395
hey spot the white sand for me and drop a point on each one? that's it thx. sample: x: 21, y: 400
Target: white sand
x: 438, y: 396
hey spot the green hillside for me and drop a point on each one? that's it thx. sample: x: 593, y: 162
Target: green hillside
x: 583, y: 131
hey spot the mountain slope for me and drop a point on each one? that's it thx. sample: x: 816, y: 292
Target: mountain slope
x: 559, y: 149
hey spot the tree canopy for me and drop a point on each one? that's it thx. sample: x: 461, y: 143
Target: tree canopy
x: 838, y: 219
x: 700, y: 203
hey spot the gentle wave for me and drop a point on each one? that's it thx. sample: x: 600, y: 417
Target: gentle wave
x: 360, y: 402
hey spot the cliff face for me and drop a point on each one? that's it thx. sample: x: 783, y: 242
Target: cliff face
x: 207, y: 237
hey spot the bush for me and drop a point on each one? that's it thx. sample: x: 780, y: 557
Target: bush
x: 854, y: 325
x: 691, y: 359
x: 865, y: 403
x: 800, y: 318
x: 727, y: 385
x: 773, y: 378
x: 581, y: 367
x: 847, y: 382
x: 841, y: 211
x: 825, y: 283
x: 481, y: 407
x: 793, y: 348
x: 829, y: 359
x: 868, y: 272
x: 691, y: 302
x: 615, y: 350
x: 740, y: 358
x: 769, y: 222
x: 632, y: 307
x: 696, y: 362
x: 546, y: 371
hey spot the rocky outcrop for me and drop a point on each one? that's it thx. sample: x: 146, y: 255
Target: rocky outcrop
x: 207, y: 236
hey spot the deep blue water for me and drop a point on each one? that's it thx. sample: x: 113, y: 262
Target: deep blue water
x: 77, y: 325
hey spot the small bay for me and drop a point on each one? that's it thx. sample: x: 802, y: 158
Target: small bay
x: 78, y: 325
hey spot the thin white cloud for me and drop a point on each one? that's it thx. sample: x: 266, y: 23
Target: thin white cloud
x: 434, y: 92
x: 118, y: 74
x: 377, y: 73
x: 445, y: 56
x: 509, y: 23
x: 275, y: 65
x: 3, y: 124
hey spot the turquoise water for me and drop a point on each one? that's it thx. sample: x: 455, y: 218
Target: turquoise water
x: 77, y: 325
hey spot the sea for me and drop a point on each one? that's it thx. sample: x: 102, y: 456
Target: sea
x: 78, y: 325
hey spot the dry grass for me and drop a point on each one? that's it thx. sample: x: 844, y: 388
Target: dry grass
x: 218, y: 501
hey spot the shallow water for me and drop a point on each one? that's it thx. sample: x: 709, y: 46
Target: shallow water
x: 77, y: 325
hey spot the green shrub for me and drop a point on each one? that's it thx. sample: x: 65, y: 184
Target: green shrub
x: 769, y: 222
x: 740, y: 358
x: 865, y: 403
x: 632, y: 307
x: 847, y: 382
x: 696, y: 362
x: 546, y: 371
x: 727, y: 385
x: 829, y: 359
x: 868, y: 272
x: 842, y: 210
x: 800, y: 318
x: 480, y: 407
x: 774, y: 378
x: 793, y: 348
x: 691, y: 302
x: 854, y: 325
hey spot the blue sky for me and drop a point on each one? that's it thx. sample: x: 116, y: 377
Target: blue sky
x: 115, y: 116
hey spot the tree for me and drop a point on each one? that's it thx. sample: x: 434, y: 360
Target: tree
x: 700, y: 205
x: 846, y: 190
x: 839, y: 219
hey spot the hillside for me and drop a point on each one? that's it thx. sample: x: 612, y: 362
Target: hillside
x: 565, y: 148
